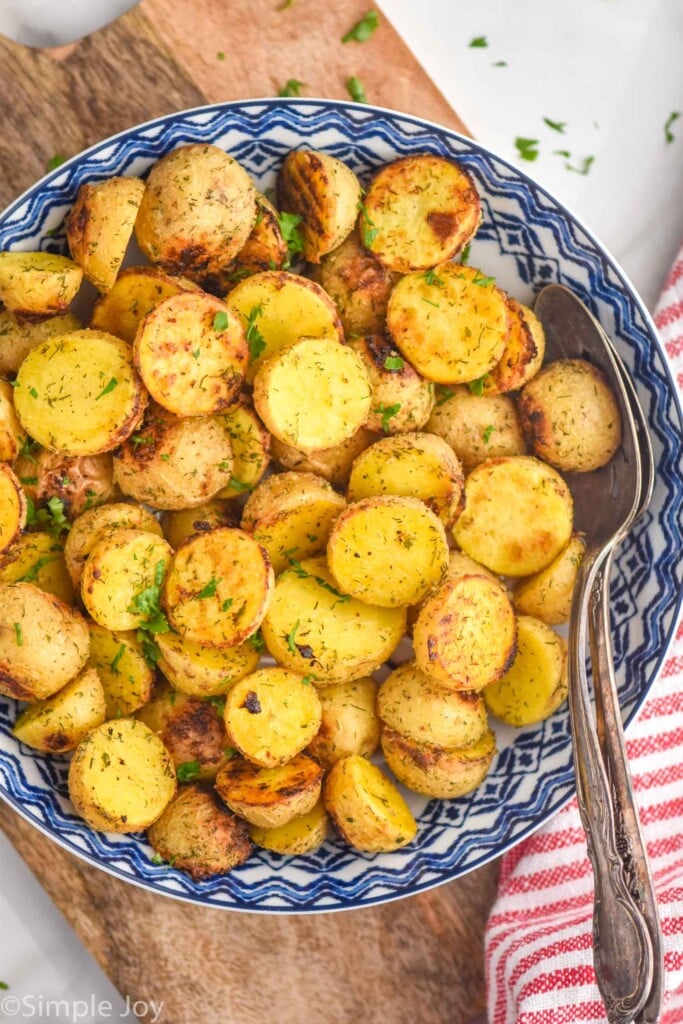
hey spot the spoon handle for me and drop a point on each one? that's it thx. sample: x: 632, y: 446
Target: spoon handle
x: 611, y: 736
x: 621, y: 943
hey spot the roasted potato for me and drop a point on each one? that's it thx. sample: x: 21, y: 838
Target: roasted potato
x: 548, y: 594
x: 349, y: 723
x: 271, y: 715
x: 12, y: 508
x: 121, y: 777
x: 80, y: 393
x: 438, y: 771
x: 265, y: 249
x: 59, y: 723
x: 325, y: 193
x: 401, y: 400
x: 127, y: 680
x: 38, y: 558
x: 300, y: 835
x: 313, y: 394
x: 419, y: 211
x: 332, y: 464
x: 18, y: 337
x: 387, y: 551
x: 197, y: 834
x: 12, y: 434
x: 518, y: 515
x: 93, y: 525
x: 36, y: 284
x: 203, y: 671
x: 192, y: 731
x: 43, y: 642
x: 270, y: 797
x: 250, y: 442
x: 79, y: 481
x: 477, y: 427
x: 186, y: 522
x: 570, y: 416
x: 100, y: 224
x: 523, y: 354
x: 536, y: 682
x: 359, y: 285
x: 197, y: 212
x: 134, y: 294
x: 366, y: 807
x: 218, y: 587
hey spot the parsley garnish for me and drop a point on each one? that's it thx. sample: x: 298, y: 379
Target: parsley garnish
x: 28, y: 481
x: 27, y: 449
x: 106, y: 390
x: 238, y: 486
x: 368, y: 230
x: 290, y: 638
x: 356, y: 90
x: 187, y: 771
x: 18, y: 632
x: 285, y: 4
x: 157, y: 859
x: 583, y: 168
x: 292, y: 87
x: 218, y: 704
x: 527, y: 148
x: 487, y: 432
x: 220, y: 55
x: 148, y: 604
x: 479, y: 43
x: 255, y: 339
x: 294, y: 240
x: 557, y: 126
x: 52, y: 517
x: 4, y: 986
x: 386, y: 412
x: 303, y: 574
x: 209, y: 590
x: 476, y: 387
x: 443, y: 395
x: 363, y: 29
x: 431, y: 278
x: 500, y: 64
x: 481, y: 280
x: 117, y: 658
x: 465, y: 254
x: 32, y: 574
x: 227, y: 604
x: 257, y: 641
x: 673, y: 116
x: 137, y: 439
x: 394, y: 363
x: 55, y: 161
x: 33, y: 393
x: 220, y: 321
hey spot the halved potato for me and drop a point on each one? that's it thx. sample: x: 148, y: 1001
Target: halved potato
x: 438, y: 771
x: 536, y: 683
x: 451, y: 323
x: 419, y: 211
x: 387, y: 551
x: 121, y: 777
x: 38, y: 558
x: 291, y: 515
x: 184, y: 523
x: 366, y: 807
x: 523, y: 354
x: 203, y: 671
x: 192, y: 731
x: 80, y: 393
x: 127, y: 680
x: 250, y: 443
x: 100, y: 224
x: 59, y: 723
x: 477, y: 427
x: 12, y: 508
x: 218, y: 587
x: 401, y: 399
x: 271, y: 715
x: 325, y: 193
x: 192, y: 354
x: 518, y: 515
x: 332, y: 464
x: 90, y: 527
x: 270, y: 797
x: 79, y: 481
x: 359, y: 285
x: 349, y: 723
x: 300, y: 835
x: 547, y: 595
x: 12, y: 434
x: 265, y: 249
x: 18, y: 337
x: 465, y: 635
x: 38, y: 283
x: 134, y: 294
x: 198, y: 835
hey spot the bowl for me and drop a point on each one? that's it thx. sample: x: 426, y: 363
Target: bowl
x: 527, y: 239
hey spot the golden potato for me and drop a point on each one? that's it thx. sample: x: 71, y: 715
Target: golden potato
x: 18, y: 337
x: 127, y: 680
x: 203, y: 671
x: 12, y: 434
x: 325, y: 193
x: 536, y: 683
x: 265, y: 249
x: 43, y: 642
x: 250, y: 442
x: 477, y: 427
x: 80, y: 393
x: 271, y: 715
x: 134, y: 294
x: 197, y: 834
x: 81, y: 482
x: 358, y: 284
x: 270, y: 797
x: 332, y: 464
x: 547, y: 595
x: 192, y: 731
x: 419, y: 211
x: 451, y: 323
x: 349, y: 723
x: 366, y: 807
x: 59, y: 723
x: 186, y: 522
x: 523, y: 353
x: 387, y: 551
x: 12, y: 508
x: 197, y: 212
x: 93, y: 525
x: 218, y: 587
x: 100, y: 224
x: 570, y: 416
x: 38, y: 558
x: 298, y: 836
x: 518, y: 515
x: 401, y: 400
x: 37, y: 283
x: 438, y: 771
x: 121, y: 777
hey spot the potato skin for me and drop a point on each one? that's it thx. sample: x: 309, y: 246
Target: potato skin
x: 197, y: 834
x: 134, y: 294
x: 20, y: 336
x: 367, y: 809
x: 80, y: 481
x: 94, y: 524
x: 250, y: 443
x: 523, y: 353
x: 548, y: 594
x: 38, y: 558
x: 298, y: 836
x: 358, y: 284
x: 202, y: 671
x: 395, y: 385
x: 12, y: 434
x: 100, y: 224
x: 477, y: 427
x: 535, y: 684
x: 13, y: 508
x: 270, y: 797
x: 126, y: 678
x: 349, y: 723
x: 192, y: 730
x: 265, y: 249
x: 34, y: 284
x: 59, y: 723
x: 332, y: 464
x: 186, y: 522
x: 437, y: 771
x: 325, y: 193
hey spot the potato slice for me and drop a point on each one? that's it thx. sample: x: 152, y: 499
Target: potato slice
x: 92, y: 526
x: 12, y: 434
x: 121, y: 777
x: 127, y: 680
x: 332, y: 464
x: 192, y: 731
x: 477, y: 427
x: 134, y: 294
x: 38, y: 558
x: 313, y: 628
x: 438, y: 771
x: 366, y: 807
x: 325, y: 193
x: 79, y: 481
x: 270, y: 797
x: 121, y: 569
x: 349, y: 723
x: 292, y: 515
x: 59, y: 723
x: 419, y: 211
x: 451, y: 323
x: 313, y: 394
x: 43, y: 642
x: 203, y: 671
x: 265, y: 249
x: 387, y: 551
x: 359, y: 285
x: 250, y: 443
x: 536, y: 683
x: 523, y: 354
x: 410, y: 703
x: 12, y: 508
x: 198, y: 835
x: 191, y: 353
x: 18, y: 337
x: 401, y: 400
x: 218, y: 588
x: 38, y: 283
x: 547, y: 595
x: 298, y: 836
x: 518, y: 515
x: 100, y: 224
x: 186, y: 522
x: 465, y: 635
x: 197, y: 212
x: 271, y: 715
x: 277, y: 308
x: 415, y: 466
x: 80, y: 393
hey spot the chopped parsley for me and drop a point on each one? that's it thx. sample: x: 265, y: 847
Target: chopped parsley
x: 481, y: 280
x: 27, y: 450
x: 51, y: 518
x: 443, y: 395
x: 292, y: 87
x: 257, y: 642
x: 187, y: 771
x: 527, y: 148
x: 356, y: 90
x: 114, y: 665
x: 238, y: 486
x: 220, y: 321
x: 363, y: 29
x: 500, y: 64
x: 298, y: 569
x: 255, y: 339
x: 55, y: 161
x: 31, y: 575
x: 487, y: 432
x: 368, y: 230
x: 465, y: 254
x: 431, y: 278
x: 148, y: 605
x: 33, y: 393
x: 476, y: 387
x: 584, y: 167
x: 673, y: 116
x: 292, y: 237
x: 227, y: 604
x: 285, y: 4
x: 209, y: 590
x: 386, y: 412
x: 291, y: 638
x: 217, y: 703
x: 478, y: 43
x: 220, y: 55
x: 3, y: 986
x: 557, y: 126
x: 137, y: 439
x: 107, y: 389
x: 394, y: 363
x: 18, y: 632
x: 157, y: 859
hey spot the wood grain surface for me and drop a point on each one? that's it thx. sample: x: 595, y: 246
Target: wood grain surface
x: 417, y: 961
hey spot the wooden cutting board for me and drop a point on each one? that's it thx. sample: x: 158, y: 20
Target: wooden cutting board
x: 417, y: 961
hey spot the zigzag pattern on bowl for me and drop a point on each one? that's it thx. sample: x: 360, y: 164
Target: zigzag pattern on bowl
x: 526, y: 239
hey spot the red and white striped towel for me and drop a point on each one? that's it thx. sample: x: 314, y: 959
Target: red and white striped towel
x: 539, y: 956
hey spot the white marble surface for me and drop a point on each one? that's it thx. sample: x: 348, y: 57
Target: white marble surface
x: 610, y: 70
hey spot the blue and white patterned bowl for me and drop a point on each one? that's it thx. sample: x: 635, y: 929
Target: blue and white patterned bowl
x: 526, y: 240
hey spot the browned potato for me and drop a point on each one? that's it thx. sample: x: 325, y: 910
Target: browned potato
x: 94, y: 524
x: 270, y: 797
x: 523, y: 353
x: 401, y: 399
x: 438, y: 771
x: 536, y: 683
x: 180, y: 525
x: 127, y: 679
x: 100, y: 225
x: 18, y: 337
x: 250, y: 442
x: 134, y: 294
x: 203, y: 671
x: 548, y: 594
x: 37, y: 283
x: 332, y: 464
x: 59, y: 723
x: 12, y: 434
x: 349, y: 724
x: 359, y: 285
x: 198, y: 835
x: 265, y: 249
x: 81, y: 482
x: 192, y: 731
x: 120, y: 570
x: 325, y: 193
x: 570, y: 416
x: 300, y: 835
x: 38, y: 558
x: 12, y: 508
x: 366, y: 807
x: 477, y: 427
